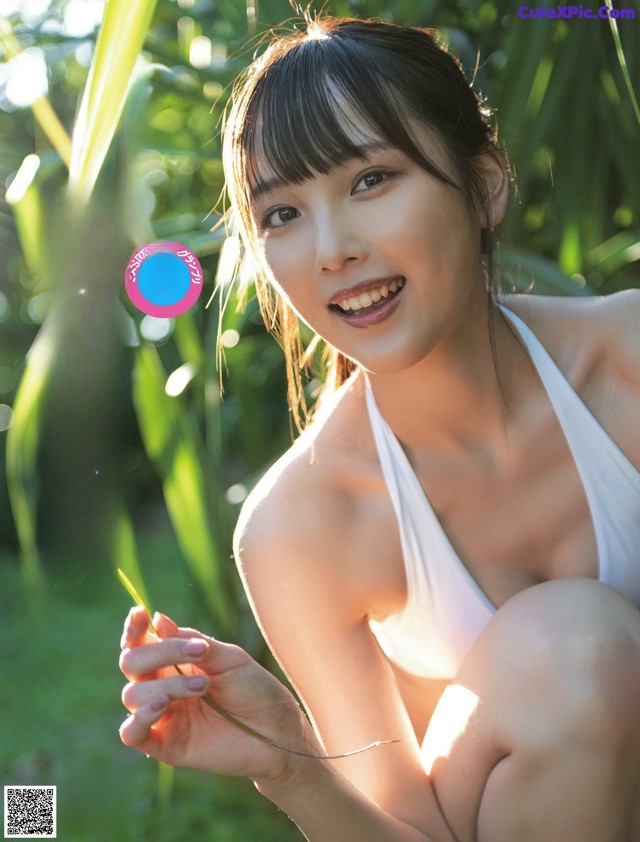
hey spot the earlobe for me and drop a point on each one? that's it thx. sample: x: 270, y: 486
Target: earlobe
x: 494, y: 173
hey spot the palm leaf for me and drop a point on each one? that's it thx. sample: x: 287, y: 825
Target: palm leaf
x: 623, y: 63
x: 171, y: 442
x: 120, y: 40
x: 23, y: 439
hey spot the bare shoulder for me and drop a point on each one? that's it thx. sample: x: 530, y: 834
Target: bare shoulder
x: 297, y: 501
x: 604, y: 329
x: 618, y: 320
x: 298, y: 522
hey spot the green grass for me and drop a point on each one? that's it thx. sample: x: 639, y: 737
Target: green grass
x: 60, y: 702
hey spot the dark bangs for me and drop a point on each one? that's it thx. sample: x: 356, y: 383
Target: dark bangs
x: 309, y: 110
x: 307, y: 104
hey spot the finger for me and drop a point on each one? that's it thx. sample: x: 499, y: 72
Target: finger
x: 220, y: 658
x: 137, y: 694
x: 136, y: 627
x: 165, y: 627
x: 140, y: 662
x: 136, y: 731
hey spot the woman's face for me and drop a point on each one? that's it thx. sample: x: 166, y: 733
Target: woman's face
x: 378, y: 256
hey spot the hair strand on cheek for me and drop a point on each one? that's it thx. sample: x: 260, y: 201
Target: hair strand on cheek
x: 303, y: 109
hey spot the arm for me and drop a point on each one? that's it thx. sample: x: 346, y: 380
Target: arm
x: 305, y: 594
x: 297, y: 554
x: 169, y: 722
x: 327, y: 807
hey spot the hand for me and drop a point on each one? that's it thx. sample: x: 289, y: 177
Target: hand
x: 169, y: 720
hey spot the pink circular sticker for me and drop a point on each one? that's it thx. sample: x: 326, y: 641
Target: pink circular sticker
x: 163, y: 279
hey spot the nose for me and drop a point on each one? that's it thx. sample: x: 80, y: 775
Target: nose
x: 338, y: 243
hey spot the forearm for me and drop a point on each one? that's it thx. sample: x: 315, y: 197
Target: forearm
x: 327, y: 807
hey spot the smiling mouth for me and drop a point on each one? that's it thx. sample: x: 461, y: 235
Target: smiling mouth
x: 370, y: 300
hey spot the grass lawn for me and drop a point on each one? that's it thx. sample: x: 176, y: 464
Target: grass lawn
x: 60, y: 703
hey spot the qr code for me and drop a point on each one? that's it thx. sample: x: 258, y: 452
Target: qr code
x: 30, y: 812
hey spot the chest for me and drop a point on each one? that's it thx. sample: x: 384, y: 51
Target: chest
x: 517, y: 527
x: 509, y: 532
x: 514, y: 526
x: 533, y: 521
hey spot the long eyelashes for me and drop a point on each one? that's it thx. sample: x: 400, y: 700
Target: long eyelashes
x: 266, y: 220
x: 372, y: 178
x: 282, y: 215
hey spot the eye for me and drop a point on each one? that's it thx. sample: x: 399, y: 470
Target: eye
x: 278, y: 217
x: 370, y: 180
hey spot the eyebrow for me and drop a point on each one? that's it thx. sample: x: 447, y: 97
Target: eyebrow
x: 362, y: 150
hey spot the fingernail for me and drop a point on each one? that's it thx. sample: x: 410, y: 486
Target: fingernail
x: 196, y: 682
x: 195, y: 648
x: 165, y: 624
x: 159, y: 703
x: 131, y: 616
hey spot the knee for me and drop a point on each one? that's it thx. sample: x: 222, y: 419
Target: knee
x: 566, y: 656
x: 569, y: 624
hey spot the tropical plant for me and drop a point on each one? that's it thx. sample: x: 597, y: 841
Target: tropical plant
x: 145, y: 165
x: 71, y: 392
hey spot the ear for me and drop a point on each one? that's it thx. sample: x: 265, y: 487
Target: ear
x: 493, y: 169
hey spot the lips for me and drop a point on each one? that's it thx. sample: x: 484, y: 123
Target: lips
x: 368, y: 304
x: 366, y: 294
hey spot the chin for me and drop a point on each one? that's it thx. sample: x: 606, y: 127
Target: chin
x: 394, y: 361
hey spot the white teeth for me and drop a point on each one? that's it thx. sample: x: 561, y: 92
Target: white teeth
x: 366, y: 299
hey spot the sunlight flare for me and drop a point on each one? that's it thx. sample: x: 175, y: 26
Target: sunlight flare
x: 448, y: 723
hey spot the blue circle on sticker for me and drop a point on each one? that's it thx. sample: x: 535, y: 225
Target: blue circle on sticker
x: 164, y: 279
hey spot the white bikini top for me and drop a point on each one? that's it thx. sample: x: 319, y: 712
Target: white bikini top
x: 446, y: 610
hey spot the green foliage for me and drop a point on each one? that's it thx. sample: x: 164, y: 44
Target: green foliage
x: 121, y: 35
x: 50, y: 368
x: 565, y: 233
x: 570, y: 132
x: 65, y: 732
x: 173, y: 442
x: 146, y: 157
x: 22, y: 447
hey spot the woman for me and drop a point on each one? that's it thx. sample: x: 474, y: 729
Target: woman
x: 424, y: 559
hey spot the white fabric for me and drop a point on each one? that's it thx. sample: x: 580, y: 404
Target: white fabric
x: 446, y: 610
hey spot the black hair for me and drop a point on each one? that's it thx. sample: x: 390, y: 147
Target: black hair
x: 294, y: 106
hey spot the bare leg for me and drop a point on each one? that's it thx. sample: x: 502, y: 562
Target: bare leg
x: 551, y: 750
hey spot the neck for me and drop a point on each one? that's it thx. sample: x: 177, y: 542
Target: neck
x: 452, y: 398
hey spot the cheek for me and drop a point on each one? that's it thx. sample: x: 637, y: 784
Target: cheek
x: 286, y: 273
x: 277, y: 268
x: 286, y: 262
x: 414, y: 222
x: 438, y: 233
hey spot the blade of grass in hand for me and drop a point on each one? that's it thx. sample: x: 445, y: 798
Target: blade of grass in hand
x: 133, y: 593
